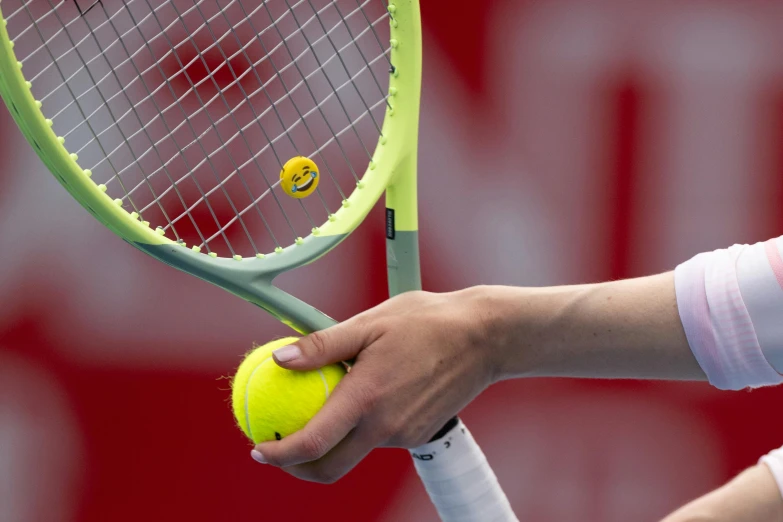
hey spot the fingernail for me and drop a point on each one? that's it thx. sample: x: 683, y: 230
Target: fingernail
x: 258, y: 457
x: 287, y: 353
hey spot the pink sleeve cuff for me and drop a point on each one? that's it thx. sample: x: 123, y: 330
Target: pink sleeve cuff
x: 774, y: 461
x: 717, y: 324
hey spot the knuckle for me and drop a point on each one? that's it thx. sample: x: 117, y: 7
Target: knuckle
x: 417, y: 296
x: 319, y: 344
x: 389, y: 431
x: 275, y: 459
x: 408, y: 435
x: 314, y: 446
x: 389, y: 323
x: 363, y: 320
x: 405, y: 299
x: 366, y: 399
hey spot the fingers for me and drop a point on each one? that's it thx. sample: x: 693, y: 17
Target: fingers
x: 339, y: 415
x: 339, y: 461
x: 341, y: 342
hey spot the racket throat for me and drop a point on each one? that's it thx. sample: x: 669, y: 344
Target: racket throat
x: 252, y: 279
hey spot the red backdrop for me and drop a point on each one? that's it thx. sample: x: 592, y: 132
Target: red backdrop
x: 588, y: 141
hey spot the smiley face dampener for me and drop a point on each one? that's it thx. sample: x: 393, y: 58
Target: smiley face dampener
x: 299, y: 177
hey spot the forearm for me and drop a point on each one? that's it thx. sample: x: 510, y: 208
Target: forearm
x: 621, y: 329
x: 752, y: 496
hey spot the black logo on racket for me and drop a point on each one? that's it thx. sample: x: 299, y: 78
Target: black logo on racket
x: 390, y: 223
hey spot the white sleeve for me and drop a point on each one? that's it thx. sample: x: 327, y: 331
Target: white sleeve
x: 731, y: 306
x: 774, y: 461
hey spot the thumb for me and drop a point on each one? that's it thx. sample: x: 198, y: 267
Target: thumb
x: 341, y: 342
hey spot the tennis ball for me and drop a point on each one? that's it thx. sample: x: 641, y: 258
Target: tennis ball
x: 271, y: 402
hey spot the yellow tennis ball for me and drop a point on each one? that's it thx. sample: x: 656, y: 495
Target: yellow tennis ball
x: 271, y: 402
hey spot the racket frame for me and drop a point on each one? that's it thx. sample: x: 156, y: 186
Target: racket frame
x: 392, y: 169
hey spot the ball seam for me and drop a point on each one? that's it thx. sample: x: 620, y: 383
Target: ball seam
x: 326, y: 384
x: 247, y: 398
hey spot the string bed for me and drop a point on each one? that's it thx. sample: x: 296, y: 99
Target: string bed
x: 184, y: 111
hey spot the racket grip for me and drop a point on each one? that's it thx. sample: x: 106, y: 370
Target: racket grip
x: 458, y: 479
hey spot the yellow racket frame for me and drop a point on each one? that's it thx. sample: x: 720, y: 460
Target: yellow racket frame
x: 392, y: 169
x: 393, y: 165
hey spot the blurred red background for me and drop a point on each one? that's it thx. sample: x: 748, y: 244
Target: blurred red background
x: 562, y: 142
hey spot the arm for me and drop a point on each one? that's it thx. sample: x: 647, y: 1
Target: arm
x: 717, y: 316
x: 752, y: 496
x: 421, y: 357
x: 621, y: 329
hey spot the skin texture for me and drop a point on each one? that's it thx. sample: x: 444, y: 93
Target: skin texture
x: 752, y: 496
x: 621, y: 329
x: 421, y: 357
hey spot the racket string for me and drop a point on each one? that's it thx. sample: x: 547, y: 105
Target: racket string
x: 302, y: 118
x: 221, y: 141
x: 113, y: 72
x: 345, y: 67
x: 303, y: 81
x: 331, y: 85
x: 339, y: 133
x: 282, y: 93
x: 252, y: 109
x: 335, y: 91
x: 272, y: 106
x: 75, y: 49
x: 317, y: 151
x: 82, y: 112
x: 289, y: 92
x: 203, y: 196
x: 207, y: 159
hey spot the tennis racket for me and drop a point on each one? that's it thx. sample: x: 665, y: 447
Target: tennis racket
x: 236, y: 141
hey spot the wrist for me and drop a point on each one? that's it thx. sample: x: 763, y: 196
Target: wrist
x: 515, y: 327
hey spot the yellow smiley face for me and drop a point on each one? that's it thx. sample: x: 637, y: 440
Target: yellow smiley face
x: 299, y: 177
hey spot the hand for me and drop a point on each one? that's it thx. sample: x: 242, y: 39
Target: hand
x: 419, y: 359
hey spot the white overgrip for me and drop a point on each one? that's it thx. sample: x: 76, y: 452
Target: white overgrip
x: 459, y: 481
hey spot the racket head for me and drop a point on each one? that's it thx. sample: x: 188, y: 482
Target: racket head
x: 29, y: 92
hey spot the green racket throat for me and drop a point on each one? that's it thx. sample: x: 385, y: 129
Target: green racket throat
x: 252, y: 281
